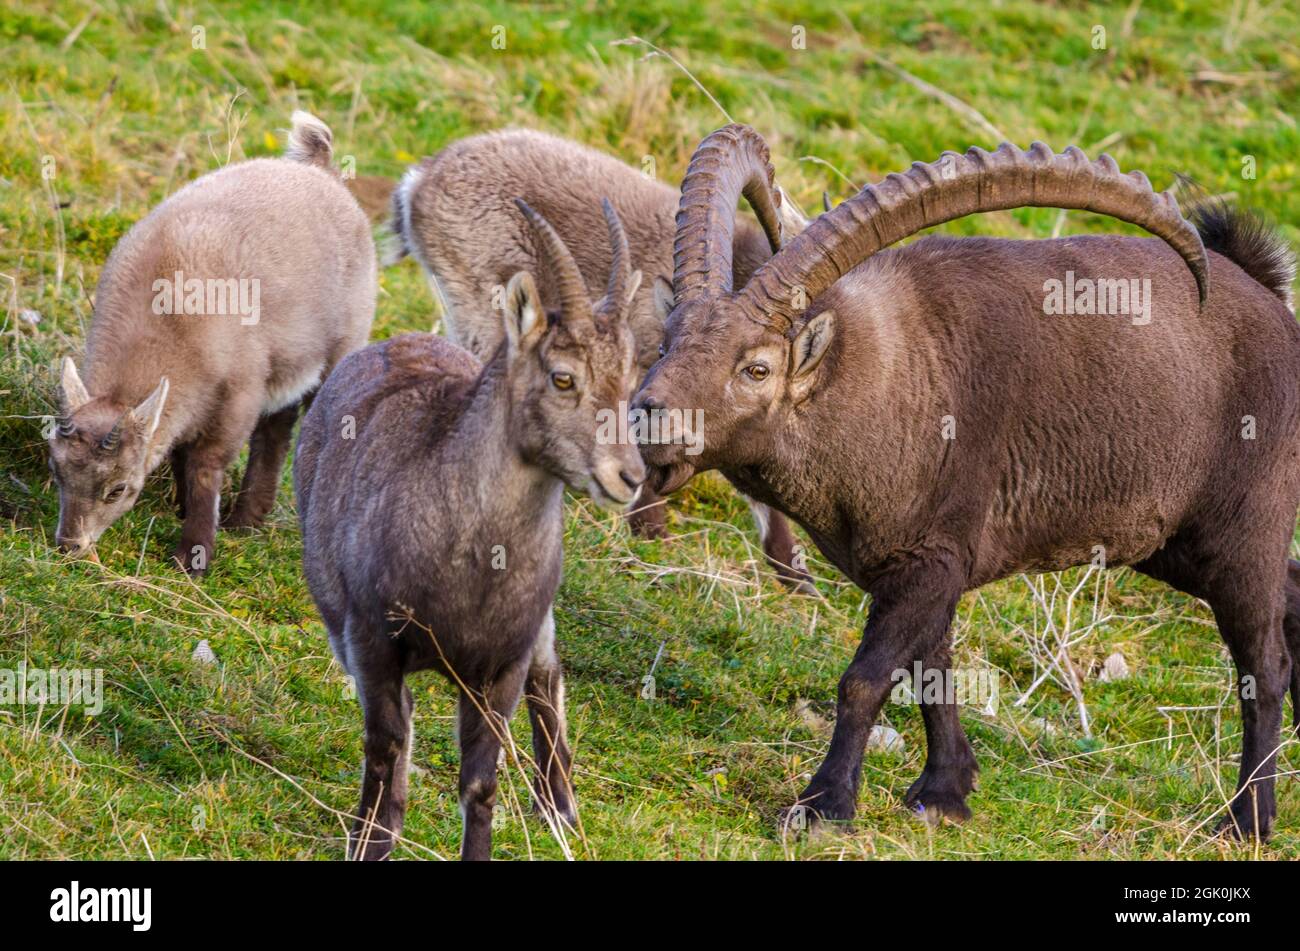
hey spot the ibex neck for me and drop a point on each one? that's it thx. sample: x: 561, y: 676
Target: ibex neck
x: 499, y: 477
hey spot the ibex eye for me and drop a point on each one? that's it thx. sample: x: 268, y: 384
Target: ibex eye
x: 115, y: 493
x: 757, y: 372
x: 663, y: 351
x: 562, y: 381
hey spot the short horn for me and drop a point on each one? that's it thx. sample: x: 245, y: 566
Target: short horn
x: 953, y: 187
x: 620, y: 271
x: 573, y: 290
x: 730, y: 162
x: 113, y: 437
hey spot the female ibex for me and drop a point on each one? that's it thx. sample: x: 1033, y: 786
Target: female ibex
x: 214, y: 317
x: 430, y: 494
x: 454, y: 214
x: 934, y: 429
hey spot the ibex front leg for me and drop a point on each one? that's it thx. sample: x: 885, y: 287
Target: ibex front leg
x: 205, y: 466
x: 552, y: 788
x: 950, y: 767
x: 178, y: 474
x: 202, y: 486
x: 910, y: 616
x: 483, y: 716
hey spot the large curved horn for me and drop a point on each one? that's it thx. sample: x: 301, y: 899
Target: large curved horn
x: 730, y: 162
x: 955, y: 186
x: 573, y: 290
x: 620, y: 271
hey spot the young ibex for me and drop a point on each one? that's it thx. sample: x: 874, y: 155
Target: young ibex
x: 934, y: 429
x: 214, y: 317
x: 453, y: 214
x: 430, y: 490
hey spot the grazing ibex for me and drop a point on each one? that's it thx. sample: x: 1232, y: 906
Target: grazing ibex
x: 936, y: 421
x: 214, y: 317
x: 453, y: 214
x: 430, y: 490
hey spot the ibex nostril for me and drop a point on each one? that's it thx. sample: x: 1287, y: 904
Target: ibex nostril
x: 634, y: 478
x: 73, y: 546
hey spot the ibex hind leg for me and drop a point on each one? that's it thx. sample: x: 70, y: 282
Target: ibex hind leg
x: 1250, y: 618
x: 1250, y: 593
x: 387, y: 705
x: 781, y: 547
x: 267, y: 450
x: 1291, y: 628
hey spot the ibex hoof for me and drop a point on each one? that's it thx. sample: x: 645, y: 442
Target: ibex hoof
x: 1240, y: 825
x: 819, y: 809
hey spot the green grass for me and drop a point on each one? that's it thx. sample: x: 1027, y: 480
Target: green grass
x: 258, y: 756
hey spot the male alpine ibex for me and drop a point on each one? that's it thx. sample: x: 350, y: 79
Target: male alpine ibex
x: 454, y: 214
x: 214, y: 317
x: 430, y: 490
x: 936, y: 424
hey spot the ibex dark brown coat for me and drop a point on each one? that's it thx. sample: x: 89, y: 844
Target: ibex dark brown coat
x: 454, y: 214
x: 430, y: 493
x: 934, y: 429
x: 214, y: 317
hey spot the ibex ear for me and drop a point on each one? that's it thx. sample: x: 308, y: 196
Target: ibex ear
x: 790, y: 215
x: 808, y: 349
x: 524, y: 317
x: 663, y: 297
x: 148, y: 414
x: 74, y: 391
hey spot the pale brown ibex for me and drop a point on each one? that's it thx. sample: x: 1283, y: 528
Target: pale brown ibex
x: 454, y: 214
x: 214, y: 317
x: 936, y: 419
x: 430, y: 491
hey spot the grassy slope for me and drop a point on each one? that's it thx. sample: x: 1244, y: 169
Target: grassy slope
x: 252, y: 758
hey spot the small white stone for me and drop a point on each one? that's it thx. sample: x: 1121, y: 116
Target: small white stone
x: 29, y: 316
x: 203, y: 654
x: 1042, y: 725
x: 886, y: 738
x: 1115, y: 667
